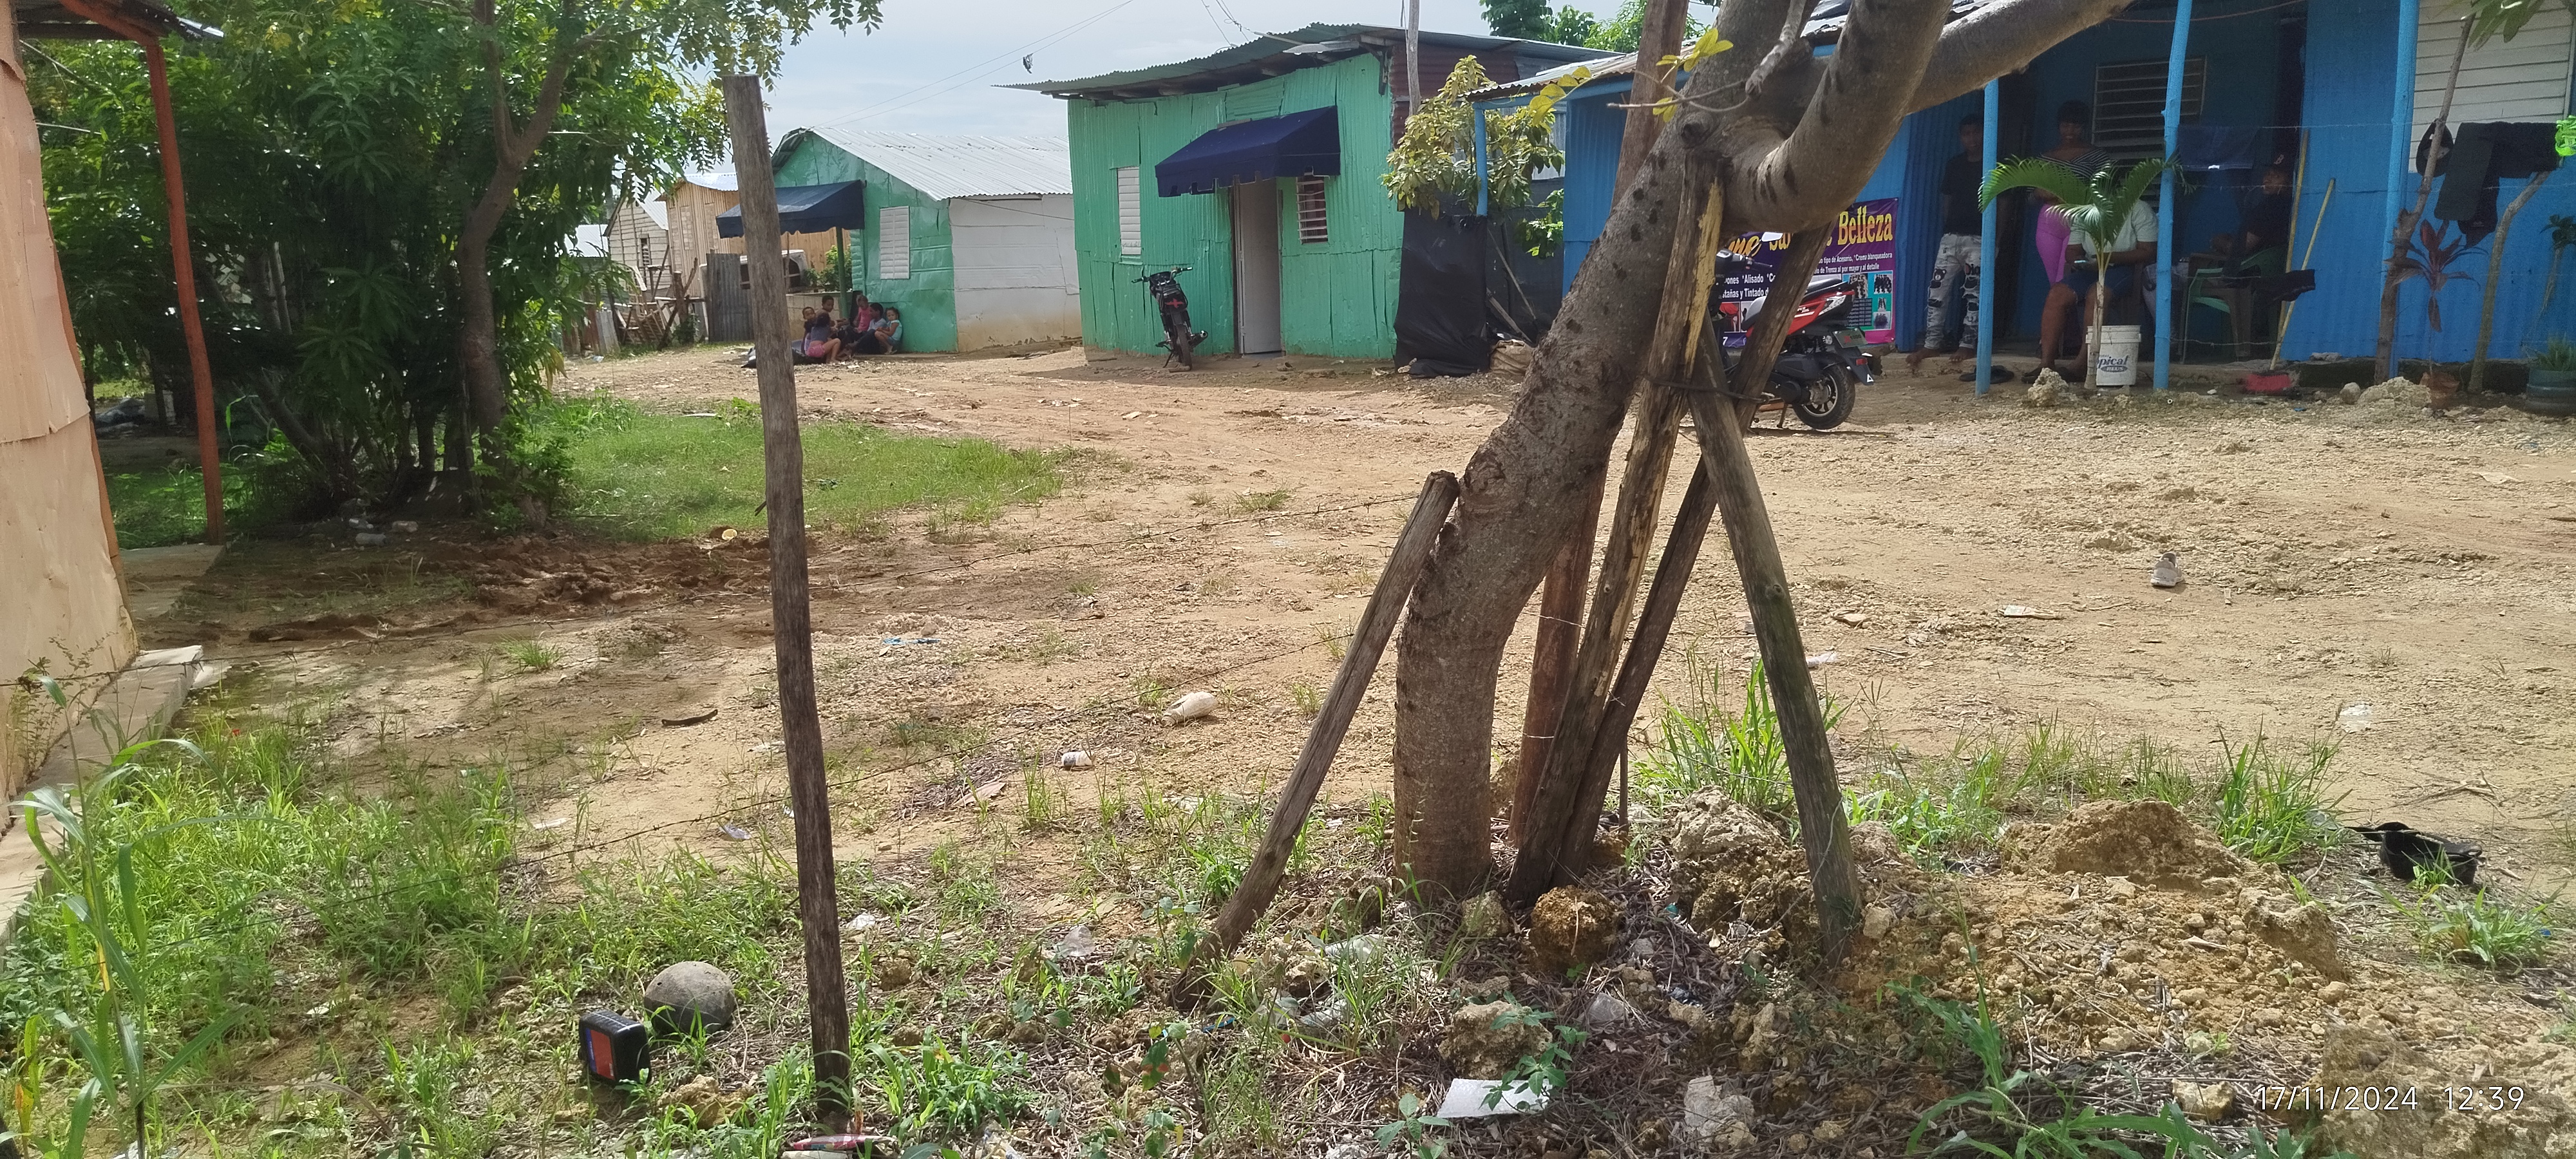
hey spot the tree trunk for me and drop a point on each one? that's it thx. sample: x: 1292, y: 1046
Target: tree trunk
x: 2384, y: 362
x: 514, y: 145
x: 1792, y: 157
x: 2495, y: 273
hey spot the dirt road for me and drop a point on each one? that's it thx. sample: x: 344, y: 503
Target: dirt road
x: 2338, y: 556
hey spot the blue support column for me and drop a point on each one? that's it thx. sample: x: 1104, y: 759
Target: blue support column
x: 1986, y: 248
x: 2401, y: 123
x: 2170, y: 202
x: 1476, y: 118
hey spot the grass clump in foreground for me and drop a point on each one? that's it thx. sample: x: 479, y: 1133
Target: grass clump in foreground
x: 211, y: 903
x: 2265, y: 803
x: 631, y: 474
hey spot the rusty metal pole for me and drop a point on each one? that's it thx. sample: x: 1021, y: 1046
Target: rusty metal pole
x: 183, y: 268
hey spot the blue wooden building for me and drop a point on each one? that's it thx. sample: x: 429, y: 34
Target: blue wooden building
x: 2349, y: 86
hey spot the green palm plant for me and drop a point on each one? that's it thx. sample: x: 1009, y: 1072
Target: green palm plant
x: 2094, y: 209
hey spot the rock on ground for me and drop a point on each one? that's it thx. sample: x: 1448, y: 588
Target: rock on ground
x: 1572, y: 928
x: 1710, y: 1112
x: 2150, y: 842
x: 2045, y: 390
x: 1486, y: 1041
x: 1484, y: 916
x: 687, y: 995
x: 2398, y: 392
x: 2542, y: 1125
x: 2303, y: 933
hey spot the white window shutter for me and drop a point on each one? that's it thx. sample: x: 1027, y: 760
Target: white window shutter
x: 1131, y: 212
x: 894, y: 242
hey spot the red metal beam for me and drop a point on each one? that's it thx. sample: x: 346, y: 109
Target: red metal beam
x: 182, y: 259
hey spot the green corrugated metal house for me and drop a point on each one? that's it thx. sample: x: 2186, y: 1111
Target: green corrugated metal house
x: 970, y: 237
x: 1291, y: 240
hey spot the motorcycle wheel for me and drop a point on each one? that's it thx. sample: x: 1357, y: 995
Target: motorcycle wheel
x: 1176, y: 335
x: 1826, y: 404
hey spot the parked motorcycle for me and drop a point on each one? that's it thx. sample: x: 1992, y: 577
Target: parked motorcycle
x: 1164, y: 287
x: 1818, y: 373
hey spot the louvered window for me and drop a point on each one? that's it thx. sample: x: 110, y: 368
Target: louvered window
x: 1131, y: 212
x: 894, y: 242
x: 1310, y: 211
x: 2129, y: 105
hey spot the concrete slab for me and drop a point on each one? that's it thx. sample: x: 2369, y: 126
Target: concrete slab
x: 154, y: 576
x: 136, y: 706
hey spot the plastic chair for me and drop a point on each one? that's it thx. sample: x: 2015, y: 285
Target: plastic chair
x: 2235, y: 300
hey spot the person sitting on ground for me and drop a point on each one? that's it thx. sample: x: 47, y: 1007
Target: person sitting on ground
x: 889, y: 330
x: 819, y: 344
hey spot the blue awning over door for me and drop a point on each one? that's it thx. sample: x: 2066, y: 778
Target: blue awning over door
x: 1289, y: 146
x: 806, y: 209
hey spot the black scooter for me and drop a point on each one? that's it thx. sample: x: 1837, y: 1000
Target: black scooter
x: 1164, y: 287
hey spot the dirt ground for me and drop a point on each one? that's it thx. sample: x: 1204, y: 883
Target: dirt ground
x: 1223, y: 526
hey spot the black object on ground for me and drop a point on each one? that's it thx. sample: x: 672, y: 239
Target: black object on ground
x: 613, y: 1047
x: 2403, y: 850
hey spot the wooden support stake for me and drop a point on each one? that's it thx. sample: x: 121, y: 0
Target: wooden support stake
x: 1729, y: 468
x: 827, y: 999
x: 1557, y: 836
x: 1261, y: 879
x: 1560, y: 605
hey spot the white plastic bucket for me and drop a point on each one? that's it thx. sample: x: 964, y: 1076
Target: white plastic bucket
x: 2116, y: 364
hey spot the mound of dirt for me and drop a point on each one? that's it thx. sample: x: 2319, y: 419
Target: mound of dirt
x: 1572, y: 928
x: 2149, y: 842
x: 1732, y: 865
x: 2398, y: 392
x: 2449, y: 1102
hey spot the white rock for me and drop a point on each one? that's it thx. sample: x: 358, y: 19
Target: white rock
x: 1707, y: 1110
x: 1074, y: 759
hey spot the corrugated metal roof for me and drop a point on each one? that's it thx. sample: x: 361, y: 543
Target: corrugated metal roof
x: 1273, y: 52
x: 946, y: 167
x: 721, y: 182
x: 1610, y: 66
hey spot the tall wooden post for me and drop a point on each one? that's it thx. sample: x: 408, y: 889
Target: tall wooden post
x: 790, y: 612
x: 1560, y: 602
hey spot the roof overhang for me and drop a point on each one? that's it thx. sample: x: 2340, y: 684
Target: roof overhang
x: 807, y: 209
x: 1278, y: 53
x: 122, y: 20
x: 1285, y: 146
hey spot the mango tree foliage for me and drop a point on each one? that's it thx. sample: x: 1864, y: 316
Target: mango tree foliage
x: 1437, y: 156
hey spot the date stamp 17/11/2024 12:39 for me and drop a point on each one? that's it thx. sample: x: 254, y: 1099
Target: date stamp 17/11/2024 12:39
x: 2487, y: 1098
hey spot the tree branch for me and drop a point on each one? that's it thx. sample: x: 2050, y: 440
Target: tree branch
x: 1806, y: 180
x: 2001, y: 38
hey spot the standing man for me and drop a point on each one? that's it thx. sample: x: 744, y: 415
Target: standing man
x: 1955, y: 270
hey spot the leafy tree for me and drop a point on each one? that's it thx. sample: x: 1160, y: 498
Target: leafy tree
x: 531, y: 58
x: 1437, y: 155
x: 1572, y: 25
x: 1626, y: 28
x: 360, y: 249
x: 1523, y: 19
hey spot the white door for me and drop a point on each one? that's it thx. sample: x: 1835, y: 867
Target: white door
x: 1256, y: 267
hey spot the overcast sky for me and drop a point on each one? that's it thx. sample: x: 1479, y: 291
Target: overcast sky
x: 933, y: 66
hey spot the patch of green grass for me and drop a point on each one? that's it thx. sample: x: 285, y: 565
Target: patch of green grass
x: 936, y: 1090
x: 1727, y: 741
x: 1307, y: 696
x: 635, y: 475
x: 2271, y: 807
x: 530, y: 655
x: 162, y: 505
x: 1252, y: 501
x: 1956, y: 805
x: 2472, y: 926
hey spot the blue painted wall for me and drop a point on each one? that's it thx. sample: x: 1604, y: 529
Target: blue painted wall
x: 2351, y: 56
x: 2351, y: 68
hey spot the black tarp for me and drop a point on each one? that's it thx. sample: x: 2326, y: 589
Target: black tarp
x: 1440, y: 310
x: 1464, y: 282
x: 806, y: 209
